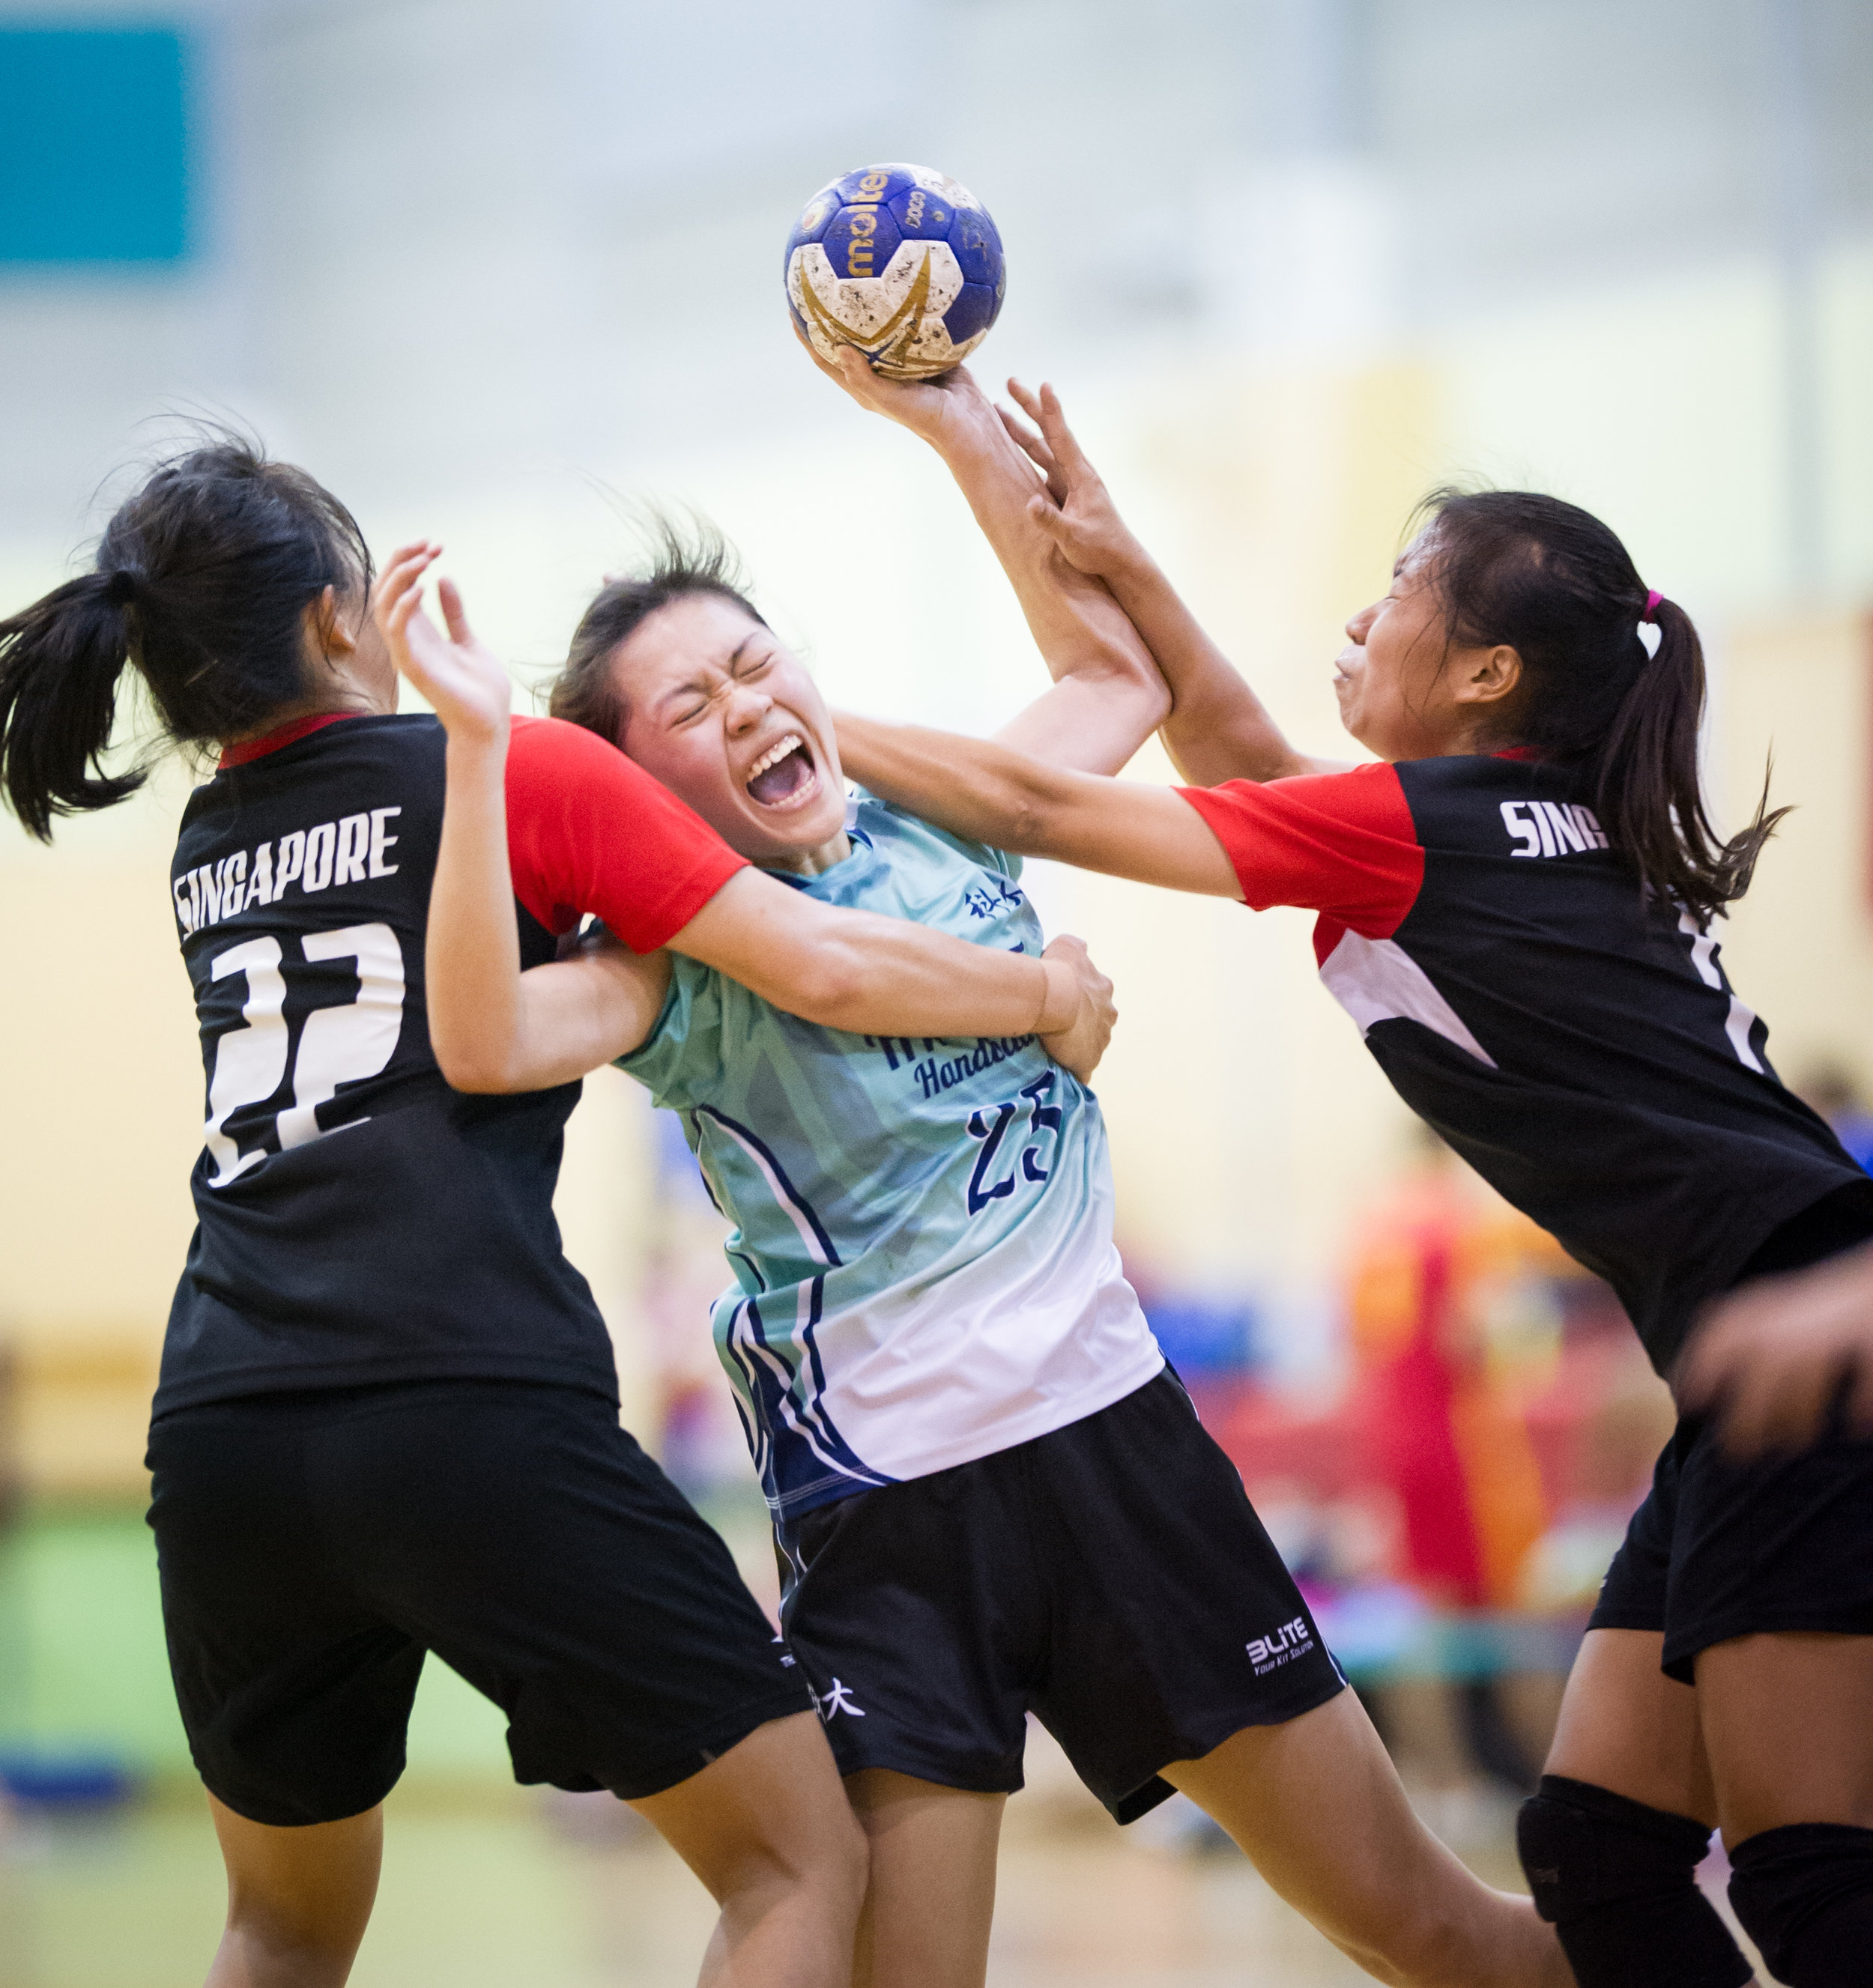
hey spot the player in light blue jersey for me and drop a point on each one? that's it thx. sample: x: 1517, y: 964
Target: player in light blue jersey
x: 990, y: 1494
x: 923, y: 1258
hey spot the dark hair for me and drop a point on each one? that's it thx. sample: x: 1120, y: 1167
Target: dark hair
x: 201, y: 580
x: 684, y: 562
x: 1555, y: 584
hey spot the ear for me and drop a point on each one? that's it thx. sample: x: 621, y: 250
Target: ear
x: 326, y: 629
x: 1487, y: 676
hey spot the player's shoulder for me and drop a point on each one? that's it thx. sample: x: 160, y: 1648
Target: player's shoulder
x: 335, y: 763
x: 546, y: 744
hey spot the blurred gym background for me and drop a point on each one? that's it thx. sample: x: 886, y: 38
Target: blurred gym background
x: 488, y: 268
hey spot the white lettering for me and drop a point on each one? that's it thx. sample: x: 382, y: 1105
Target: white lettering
x: 210, y: 894
x: 260, y: 891
x: 353, y: 839
x: 292, y: 861
x: 379, y: 841
x: 183, y: 918
x: 1566, y: 829
x: 320, y: 844
x: 1520, y: 829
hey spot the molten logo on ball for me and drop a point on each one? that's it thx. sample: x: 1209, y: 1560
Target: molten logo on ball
x: 901, y: 262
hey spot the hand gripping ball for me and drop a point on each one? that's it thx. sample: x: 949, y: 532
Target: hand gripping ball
x: 901, y: 262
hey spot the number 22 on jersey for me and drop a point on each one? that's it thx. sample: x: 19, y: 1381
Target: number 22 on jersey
x: 337, y: 1045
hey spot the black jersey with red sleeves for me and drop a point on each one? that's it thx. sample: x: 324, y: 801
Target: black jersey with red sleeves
x: 358, y: 1220
x: 1576, y: 1042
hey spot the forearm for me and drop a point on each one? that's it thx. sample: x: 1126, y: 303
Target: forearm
x: 1110, y: 697
x: 1217, y: 729
x: 987, y: 792
x: 492, y: 1027
x: 872, y: 975
x: 982, y: 790
x: 472, y: 949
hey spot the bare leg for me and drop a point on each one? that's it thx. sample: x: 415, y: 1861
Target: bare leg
x: 767, y: 1829
x: 298, y: 1899
x: 1318, y: 1808
x: 1788, y: 1720
x: 1627, y: 1727
x: 932, y: 1896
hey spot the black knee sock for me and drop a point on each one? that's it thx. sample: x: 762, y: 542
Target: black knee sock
x: 1616, y: 1881
x: 1804, y: 1894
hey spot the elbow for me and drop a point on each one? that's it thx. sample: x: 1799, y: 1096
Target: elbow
x: 472, y: 1070
x: 1127, y: 675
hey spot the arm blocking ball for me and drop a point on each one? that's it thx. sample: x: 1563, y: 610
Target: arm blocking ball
x: 901, y: 262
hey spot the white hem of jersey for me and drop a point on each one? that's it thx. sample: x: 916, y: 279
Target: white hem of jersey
x: 978, y: 1442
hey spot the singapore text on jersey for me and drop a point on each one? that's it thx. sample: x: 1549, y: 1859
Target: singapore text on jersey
x: 345, y: 851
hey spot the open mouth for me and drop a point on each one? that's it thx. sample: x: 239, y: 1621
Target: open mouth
x: 784, y: 776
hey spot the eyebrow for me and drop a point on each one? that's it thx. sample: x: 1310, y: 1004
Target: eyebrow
x: 695, y: 687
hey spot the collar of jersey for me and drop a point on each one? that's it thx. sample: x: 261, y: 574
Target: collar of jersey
x: 271, y: 742
x: 841, y: 872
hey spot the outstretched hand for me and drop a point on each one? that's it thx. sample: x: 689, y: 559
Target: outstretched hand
x: 466, y: 683
x: 1076, y: 510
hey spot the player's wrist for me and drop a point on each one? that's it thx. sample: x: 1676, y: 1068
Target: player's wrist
x: 1061, y: 997
x: 477, y: 759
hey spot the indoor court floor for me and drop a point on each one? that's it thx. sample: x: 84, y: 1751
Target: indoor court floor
x: 485, y: 1885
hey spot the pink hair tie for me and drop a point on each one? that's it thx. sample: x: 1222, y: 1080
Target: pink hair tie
x: 1653, y: 596
x: 1650, y: 634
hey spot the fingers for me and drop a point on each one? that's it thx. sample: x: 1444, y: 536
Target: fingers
x: 1037, y: 452
x: 453, y: 616
x: 1047, y: 412
x: 399, y: 585
x: 1051, y: 519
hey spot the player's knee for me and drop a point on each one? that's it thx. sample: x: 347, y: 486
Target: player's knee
x: 1616, y: 1881
x: 1804, y: 1894
x: 274, y: 1945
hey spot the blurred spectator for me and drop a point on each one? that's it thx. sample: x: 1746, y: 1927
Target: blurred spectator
x: 1453, y: 1329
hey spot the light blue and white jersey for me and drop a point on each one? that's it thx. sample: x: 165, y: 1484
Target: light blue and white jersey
x: 923, y: 1255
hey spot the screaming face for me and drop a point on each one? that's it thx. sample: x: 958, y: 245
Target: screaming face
x: 723, y: 714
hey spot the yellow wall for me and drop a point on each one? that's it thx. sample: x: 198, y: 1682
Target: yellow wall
x: 1799, y: 946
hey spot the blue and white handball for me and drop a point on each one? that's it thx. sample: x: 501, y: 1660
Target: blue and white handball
x: 901, y: 262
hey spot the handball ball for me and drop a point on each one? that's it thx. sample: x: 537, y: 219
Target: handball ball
x: 901, y: 262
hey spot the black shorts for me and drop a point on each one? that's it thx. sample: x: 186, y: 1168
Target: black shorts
x: 1720, y: 1549
x: 313, y: 1547
x: 1111, y: 1577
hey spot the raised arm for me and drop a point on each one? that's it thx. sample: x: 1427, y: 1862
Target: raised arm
x: 1107, y: 697
x: 989, y: 793
x: 1217, y: 729
x: 494, y: 1028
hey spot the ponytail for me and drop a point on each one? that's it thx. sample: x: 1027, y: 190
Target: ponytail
x: 1552, y: 582
x: 202, y: 582
x: 1647, y: 790
x: 60, y: 660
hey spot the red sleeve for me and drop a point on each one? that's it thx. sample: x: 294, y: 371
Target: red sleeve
x: 1343, y: 844
x: 587, y: 830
